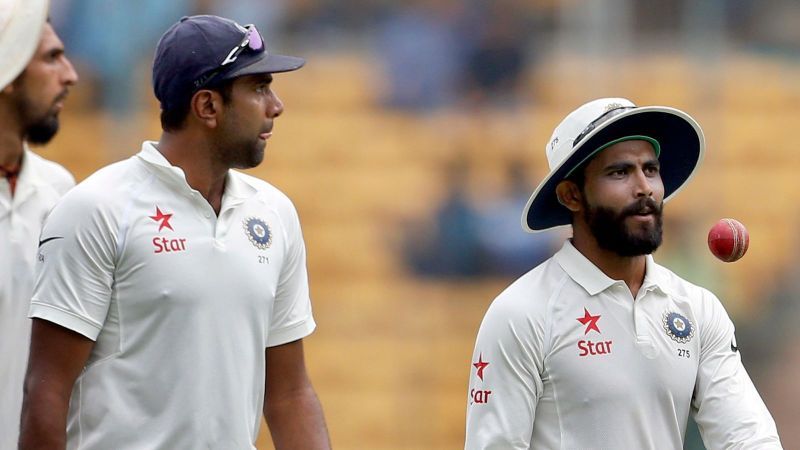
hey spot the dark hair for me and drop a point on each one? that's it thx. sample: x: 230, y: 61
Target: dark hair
x: 578, y: 176
x: 174, y: 119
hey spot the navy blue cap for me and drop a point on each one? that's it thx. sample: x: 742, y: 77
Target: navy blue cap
x: 201, y: 51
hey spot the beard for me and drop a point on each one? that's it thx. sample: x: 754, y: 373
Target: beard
x: 612, y: 233
x: 42, y: 132
x: 38, y: 128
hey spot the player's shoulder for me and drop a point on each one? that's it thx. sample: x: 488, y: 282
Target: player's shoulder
x: 106, y: 187
x: 530, y: 294
x: 266, y: 192
x: 707, y: 309
x: 706, y: 306
x: 522, y: 312
x: 51, y: 172
x: 678, y: 286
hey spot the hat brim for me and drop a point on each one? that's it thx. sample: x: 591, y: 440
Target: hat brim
x: 269, y: 64
x: 682, y: 150
x: 20, y: 38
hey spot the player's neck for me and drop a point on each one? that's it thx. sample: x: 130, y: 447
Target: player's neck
x: 630, y: 269
x: 202, y: 172
x: 11, y: 142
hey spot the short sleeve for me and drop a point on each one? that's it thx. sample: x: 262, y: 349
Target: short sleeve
x: 75, y: 267
x: 291, y: 315
x: 505, y: 379
x: 727, y: 408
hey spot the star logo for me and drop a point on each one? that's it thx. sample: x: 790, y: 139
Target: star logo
x: 480, y: 365
x: 589, y: 320
x: 163, y: 218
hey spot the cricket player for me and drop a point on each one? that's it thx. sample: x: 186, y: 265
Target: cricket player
x: 172, y: 294
x: 35, y: 78
x: 600, y: 347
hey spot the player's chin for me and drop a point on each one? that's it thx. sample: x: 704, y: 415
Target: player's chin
x: 248, y: 160
x: 257, y: 156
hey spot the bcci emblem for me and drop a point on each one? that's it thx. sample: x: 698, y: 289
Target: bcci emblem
x: 258, y: 232
x: 679, y: 328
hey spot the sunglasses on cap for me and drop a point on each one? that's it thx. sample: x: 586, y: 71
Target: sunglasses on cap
x: 252, y: 40
x: 600, y: 120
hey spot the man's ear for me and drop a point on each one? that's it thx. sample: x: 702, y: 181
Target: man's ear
x: 569, y: 195
x: 206, y: 106
x: 9, y: 89
x: 15, y: 83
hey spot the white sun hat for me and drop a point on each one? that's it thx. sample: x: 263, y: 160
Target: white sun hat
x: 676, y: 137
x: 21, y: 24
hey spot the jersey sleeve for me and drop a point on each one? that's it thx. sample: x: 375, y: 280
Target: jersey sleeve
x: 505, y: 379
x: 74, y: 273
x: 291, y: 315
x: 726, y: 406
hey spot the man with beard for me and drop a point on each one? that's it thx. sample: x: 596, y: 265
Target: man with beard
x: 599, y: 346
x: 171, y: 298
x: 35, y: 77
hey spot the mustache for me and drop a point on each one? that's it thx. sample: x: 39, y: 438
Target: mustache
x: 644, y: 206
x: 61, y: 96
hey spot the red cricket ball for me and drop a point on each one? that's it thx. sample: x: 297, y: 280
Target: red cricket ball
x: 728, y: 240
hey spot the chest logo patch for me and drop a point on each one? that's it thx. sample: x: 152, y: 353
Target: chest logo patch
x: 258, y: 232
x: 162, y: 219
x: 678, y: 327
x: 163, y: 244
x: 588, y: 347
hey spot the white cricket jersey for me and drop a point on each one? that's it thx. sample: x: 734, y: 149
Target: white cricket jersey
x: 40, y: 184
x: 566, y: 359
x: 181, y: 303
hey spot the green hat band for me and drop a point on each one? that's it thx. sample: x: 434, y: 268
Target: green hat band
x: 635, y: 137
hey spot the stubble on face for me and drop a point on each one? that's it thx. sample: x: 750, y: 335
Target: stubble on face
x: 237, y: 151
x: 238, y: 148
x: 612, y: 233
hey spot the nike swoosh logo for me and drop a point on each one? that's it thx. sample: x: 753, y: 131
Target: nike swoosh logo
x: 44, y: 241
x: 734, y: 348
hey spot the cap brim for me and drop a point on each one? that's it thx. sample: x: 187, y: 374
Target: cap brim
x: 269, y: 64
x: 20, y: 38
x: 682, y: 149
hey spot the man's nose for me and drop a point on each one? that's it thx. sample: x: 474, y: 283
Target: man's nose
x: 69, y: 76
x: 275, y: 107
x: 644, y: 186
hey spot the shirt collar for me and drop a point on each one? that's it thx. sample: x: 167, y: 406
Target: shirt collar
x: 583, y: 271
x: 594, y: 281
x: 30, y: 178
x: 150, y: 155
x: 235, y: 187
x: 29, y: 173
x: 655, y: 277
